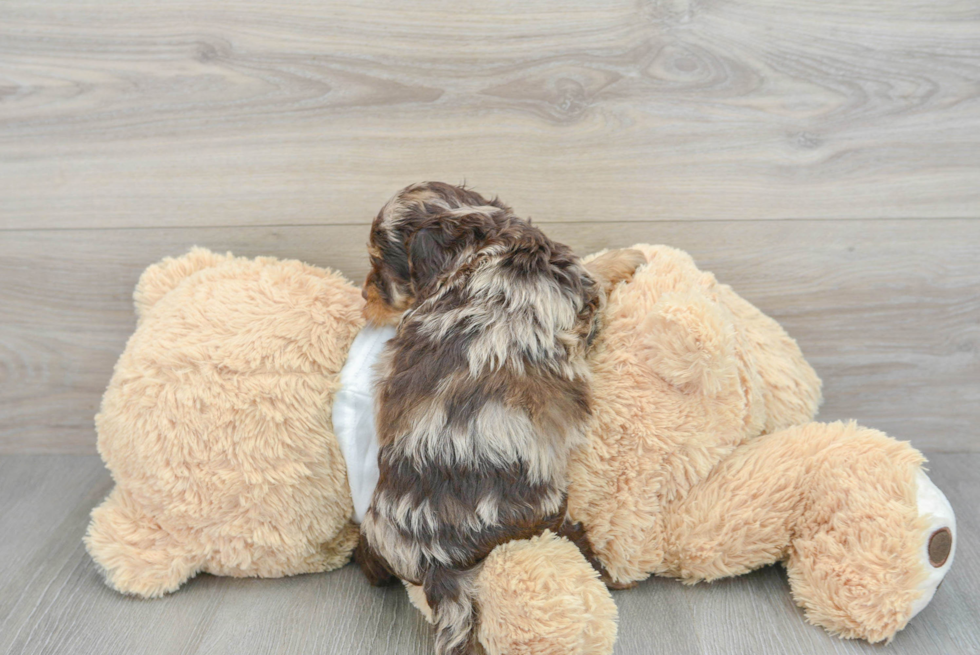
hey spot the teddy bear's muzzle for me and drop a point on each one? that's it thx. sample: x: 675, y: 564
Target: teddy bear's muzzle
x: 940, y: 542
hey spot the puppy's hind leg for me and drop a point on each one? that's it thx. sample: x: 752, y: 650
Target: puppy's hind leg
x: 450, y: 594
x: 374, y: 567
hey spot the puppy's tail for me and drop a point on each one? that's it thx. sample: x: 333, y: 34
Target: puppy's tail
x: 451, y: 594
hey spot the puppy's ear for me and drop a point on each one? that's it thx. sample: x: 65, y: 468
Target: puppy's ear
x: 428, y: 253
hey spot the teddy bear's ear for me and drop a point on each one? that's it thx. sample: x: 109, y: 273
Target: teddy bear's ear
x: 165, y: 275
x: 689, y: 344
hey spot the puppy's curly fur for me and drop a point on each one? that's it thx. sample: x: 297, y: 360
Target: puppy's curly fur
x: 483, y: 391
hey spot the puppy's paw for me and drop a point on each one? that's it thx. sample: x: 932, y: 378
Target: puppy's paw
x: 616, y: 266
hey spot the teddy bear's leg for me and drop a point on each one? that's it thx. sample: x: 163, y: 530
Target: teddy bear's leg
x: 136, y: 555
x: 838, y: 503
x: 540, y: 596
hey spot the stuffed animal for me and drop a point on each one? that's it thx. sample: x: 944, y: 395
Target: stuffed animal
x: 216, y: 425
x: 702, y: 464
x: 234, y: 429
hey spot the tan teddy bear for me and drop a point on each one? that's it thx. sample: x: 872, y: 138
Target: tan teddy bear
x: 216, y: 425
x: 219, y: 428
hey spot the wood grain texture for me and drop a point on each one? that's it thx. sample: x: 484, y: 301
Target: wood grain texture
x: 236, y: 112
x: 888, y: 312
x: 52, y: 599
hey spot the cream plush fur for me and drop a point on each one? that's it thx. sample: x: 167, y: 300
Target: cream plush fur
x: 216, y: 425
x: 701, y: 462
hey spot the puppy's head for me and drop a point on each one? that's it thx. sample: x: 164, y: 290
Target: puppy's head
x: 413, y: 237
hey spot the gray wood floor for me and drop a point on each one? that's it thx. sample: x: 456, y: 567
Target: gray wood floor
x: 52, y: 600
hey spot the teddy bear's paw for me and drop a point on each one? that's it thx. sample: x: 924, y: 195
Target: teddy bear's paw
x: 540, y: 596
x: 939, y: 546
x: 135, y: 554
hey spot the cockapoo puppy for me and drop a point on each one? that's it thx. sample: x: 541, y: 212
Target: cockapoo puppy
x: 483, y: 391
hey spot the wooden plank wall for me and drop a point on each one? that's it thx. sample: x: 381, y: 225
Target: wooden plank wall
x: 821, y: 156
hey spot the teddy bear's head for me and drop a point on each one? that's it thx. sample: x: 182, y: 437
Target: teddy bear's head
x: 217, y: 429
x: 684, y: 371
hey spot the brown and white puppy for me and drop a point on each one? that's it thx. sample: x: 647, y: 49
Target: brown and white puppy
x: 482, y: 392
